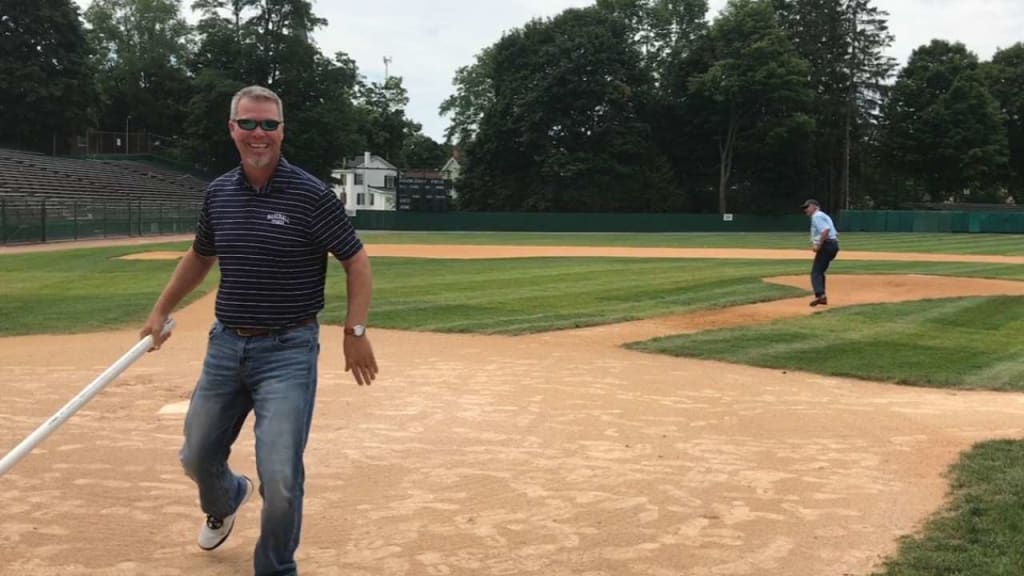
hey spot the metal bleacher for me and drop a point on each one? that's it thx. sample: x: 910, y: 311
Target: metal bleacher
x: 31, y: 174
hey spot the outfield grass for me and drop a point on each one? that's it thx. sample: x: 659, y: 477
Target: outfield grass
x: 539, y: 294
x: 87, y: 289
x: 981, y: 531
x: 949, y: 343
x: 997, y: 244
x: 82, y: 290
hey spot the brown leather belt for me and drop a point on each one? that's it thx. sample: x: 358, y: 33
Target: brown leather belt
x: 251, y: 332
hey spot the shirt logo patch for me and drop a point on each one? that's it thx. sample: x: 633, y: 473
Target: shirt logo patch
x: 277, y: 218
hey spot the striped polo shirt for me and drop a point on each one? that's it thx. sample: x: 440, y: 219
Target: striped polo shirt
x: 271, y: 244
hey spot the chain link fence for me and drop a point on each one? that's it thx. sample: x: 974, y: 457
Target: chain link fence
x: 34, y: 219
x: 97, y: 143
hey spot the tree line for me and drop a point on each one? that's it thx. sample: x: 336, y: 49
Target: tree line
x: 139, y: 65
x: 626, y: 105
x: 645, y: 105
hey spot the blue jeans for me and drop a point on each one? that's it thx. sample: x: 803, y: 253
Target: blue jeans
x: 822, y: 258
x: 275, y: 377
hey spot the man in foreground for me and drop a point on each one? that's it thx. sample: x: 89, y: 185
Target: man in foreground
x: 269, y: 225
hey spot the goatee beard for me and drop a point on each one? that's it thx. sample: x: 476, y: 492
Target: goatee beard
x: 259, y: 161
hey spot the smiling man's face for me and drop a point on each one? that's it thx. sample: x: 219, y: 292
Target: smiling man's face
x: 258, y: 148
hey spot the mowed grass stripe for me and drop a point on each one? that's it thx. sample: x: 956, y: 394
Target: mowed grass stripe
x: 590, y: 312
x: 953, y: 343
x: 513, y: 297
x: 779, y: 348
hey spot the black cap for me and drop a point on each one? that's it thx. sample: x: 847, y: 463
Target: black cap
x: 810, y: 202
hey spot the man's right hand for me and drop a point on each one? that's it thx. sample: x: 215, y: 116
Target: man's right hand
x: 155, y: 326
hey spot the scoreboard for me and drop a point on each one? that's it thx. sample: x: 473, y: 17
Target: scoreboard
x: 422, y: 194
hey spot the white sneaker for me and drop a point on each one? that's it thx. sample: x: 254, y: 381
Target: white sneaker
x: 215, y: 530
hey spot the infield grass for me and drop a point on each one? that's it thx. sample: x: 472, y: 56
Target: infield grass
x: 947, y: 343
x: 981, y: 530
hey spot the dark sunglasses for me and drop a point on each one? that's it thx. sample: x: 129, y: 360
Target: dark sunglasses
x: 249, y: 125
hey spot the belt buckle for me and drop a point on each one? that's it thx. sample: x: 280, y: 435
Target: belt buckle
x: 249, y: 332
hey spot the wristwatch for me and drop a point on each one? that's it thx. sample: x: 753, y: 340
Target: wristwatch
x: 358, y: 331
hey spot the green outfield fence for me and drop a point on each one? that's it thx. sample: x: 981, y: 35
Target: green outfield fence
x: 932, y: 221
x: 34, y: 219
x: 575, y: 222
x: 847, y: 221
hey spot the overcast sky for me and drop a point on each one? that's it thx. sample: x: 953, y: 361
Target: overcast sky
x: 428, y: 40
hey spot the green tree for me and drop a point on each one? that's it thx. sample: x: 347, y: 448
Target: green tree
x: 221, y: 65
x: 421, y: 151
x: 269, y: 42
x: 755, y: 92
x: 663, y: 30
x: 206, y: 131
x: 223, y: 32
x: 384, y: 125
x: 844, y: 43
x: 564, y: 130
x: 1005, y: 79
x: 870, y: 72
x: 321, y: 118
x: 48, y: 91
x: 141, y: 51
x: 943, y: 129
x: 683, y: 132
x: 474, y: 94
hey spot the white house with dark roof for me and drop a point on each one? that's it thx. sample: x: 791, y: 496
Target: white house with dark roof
x: 368, y: 182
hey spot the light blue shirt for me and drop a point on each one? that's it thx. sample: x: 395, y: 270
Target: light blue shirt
x: 819, y: 223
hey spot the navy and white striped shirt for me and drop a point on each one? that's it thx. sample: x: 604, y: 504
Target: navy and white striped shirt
x: 272, y: 245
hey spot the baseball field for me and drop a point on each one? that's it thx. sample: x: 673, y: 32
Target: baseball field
x: 555, y: 404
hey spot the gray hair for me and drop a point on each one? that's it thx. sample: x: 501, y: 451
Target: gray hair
x: 256, y: 93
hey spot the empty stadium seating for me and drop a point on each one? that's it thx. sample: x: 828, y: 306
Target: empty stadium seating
x: 30, y: 174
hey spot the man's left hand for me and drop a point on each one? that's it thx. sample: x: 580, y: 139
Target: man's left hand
x: 359, y: 359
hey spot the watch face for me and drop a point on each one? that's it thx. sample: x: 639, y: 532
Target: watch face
x: 358, y: 330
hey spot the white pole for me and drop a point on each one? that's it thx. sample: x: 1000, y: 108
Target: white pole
x: 62, y: 415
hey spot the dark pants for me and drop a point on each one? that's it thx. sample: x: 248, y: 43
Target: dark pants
x: 825, y: 255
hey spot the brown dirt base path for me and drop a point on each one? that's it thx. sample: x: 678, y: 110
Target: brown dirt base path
x: 552, y: 454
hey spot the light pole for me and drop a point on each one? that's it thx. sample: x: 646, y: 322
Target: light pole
x: 126, y: 119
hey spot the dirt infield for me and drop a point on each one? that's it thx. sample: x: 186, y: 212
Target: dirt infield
x: 98, y: 243
x: 554, y: 454
x: 475, y: 252
x: 462, y: 251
